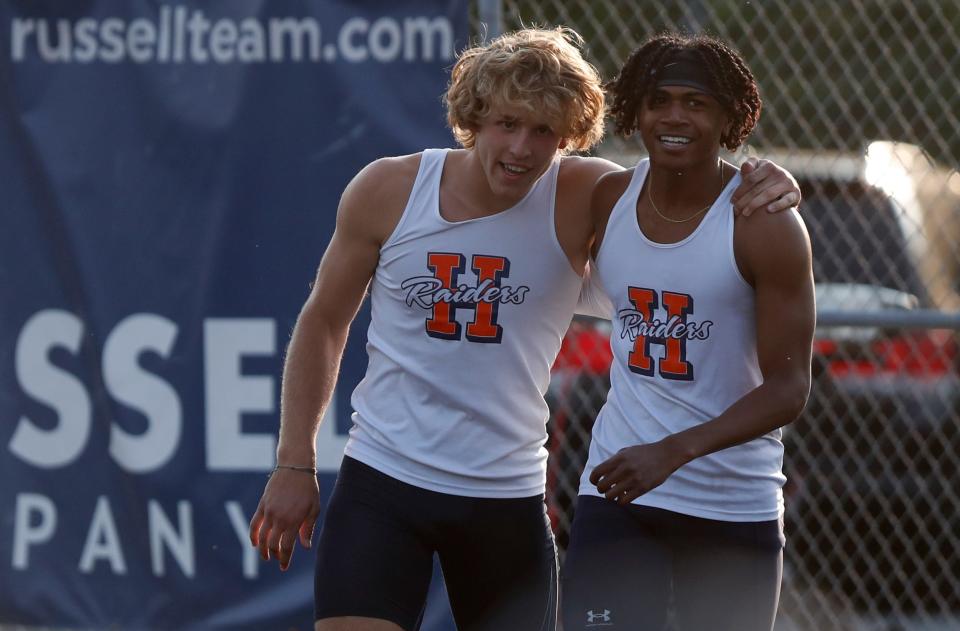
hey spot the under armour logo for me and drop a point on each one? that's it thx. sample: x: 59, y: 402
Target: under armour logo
x: 598, y: 619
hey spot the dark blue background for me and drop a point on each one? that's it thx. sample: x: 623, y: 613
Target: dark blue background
x: 190, y: 191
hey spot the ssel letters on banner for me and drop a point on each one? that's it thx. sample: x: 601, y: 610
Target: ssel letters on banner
x: 171, y: 173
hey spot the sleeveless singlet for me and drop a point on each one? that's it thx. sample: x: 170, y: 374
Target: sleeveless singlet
x: 684, y: 347
x: 467, y: 320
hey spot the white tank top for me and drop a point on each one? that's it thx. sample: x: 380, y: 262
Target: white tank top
x: 684, y: 348
x: 467, y: 319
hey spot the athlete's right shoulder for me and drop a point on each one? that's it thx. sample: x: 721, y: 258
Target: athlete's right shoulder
x: 376, y: 196
x: 385, y: 177
x: 373, y: 202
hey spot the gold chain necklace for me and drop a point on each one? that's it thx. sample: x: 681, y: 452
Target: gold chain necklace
x: 694, y: 215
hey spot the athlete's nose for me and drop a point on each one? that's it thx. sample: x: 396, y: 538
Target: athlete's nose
x: 674, y: 112
x: 520, y: 144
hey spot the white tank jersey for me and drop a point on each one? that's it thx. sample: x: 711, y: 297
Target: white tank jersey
x: 684, y: 349
x: 467, y: 320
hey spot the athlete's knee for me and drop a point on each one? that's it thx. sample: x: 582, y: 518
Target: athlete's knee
x: 355, y: 623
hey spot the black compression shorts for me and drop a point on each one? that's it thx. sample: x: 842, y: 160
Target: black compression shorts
x: 379, y: 536
x: 638, y: 568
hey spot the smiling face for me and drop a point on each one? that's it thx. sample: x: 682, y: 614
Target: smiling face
x: 514, y: 148
x: 681, y: 127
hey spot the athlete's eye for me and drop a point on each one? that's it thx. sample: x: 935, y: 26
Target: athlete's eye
x: 508, y: 123
x: 656, y: 99
x: 544, y: 130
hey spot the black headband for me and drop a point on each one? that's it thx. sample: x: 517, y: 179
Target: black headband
x: 686, y: 68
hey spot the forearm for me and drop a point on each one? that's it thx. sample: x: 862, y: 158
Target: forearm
x: 309, y: 377
x: 773, y: 404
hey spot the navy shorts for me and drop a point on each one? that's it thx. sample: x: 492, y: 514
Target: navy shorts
x: 638, y: 568
x: 379, y: 536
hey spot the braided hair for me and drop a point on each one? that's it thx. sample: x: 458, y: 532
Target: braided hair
x: 737, y: 89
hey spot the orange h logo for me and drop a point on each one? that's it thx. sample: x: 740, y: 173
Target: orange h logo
x: 670, y: 334
x: 484, y: 299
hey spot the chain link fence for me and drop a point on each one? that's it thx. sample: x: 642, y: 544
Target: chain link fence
x: 862, y: 104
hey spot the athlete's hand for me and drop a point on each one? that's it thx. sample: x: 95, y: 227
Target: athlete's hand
x: 766, y: 186
x: 633, y: 471
x: 288, y: 508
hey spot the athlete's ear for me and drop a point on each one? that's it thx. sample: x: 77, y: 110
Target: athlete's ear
x: 563, y: 144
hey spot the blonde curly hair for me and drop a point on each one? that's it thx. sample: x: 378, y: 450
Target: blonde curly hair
x: 541, y: 70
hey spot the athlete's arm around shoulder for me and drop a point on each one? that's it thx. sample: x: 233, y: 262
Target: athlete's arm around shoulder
x: 369, y: 210
x: 575, y: 183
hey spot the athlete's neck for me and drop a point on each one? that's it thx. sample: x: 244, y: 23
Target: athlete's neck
x: 689, y: 187
x: 466, y: 191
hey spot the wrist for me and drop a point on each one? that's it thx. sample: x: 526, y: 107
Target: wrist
x: 298, y: 457
x: 680, y: 449
x: 308, y: 470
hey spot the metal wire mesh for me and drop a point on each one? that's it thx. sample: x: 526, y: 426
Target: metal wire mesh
x: 861, y: 103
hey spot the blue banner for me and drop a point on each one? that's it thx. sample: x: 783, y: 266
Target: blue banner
x: 170, y: 175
